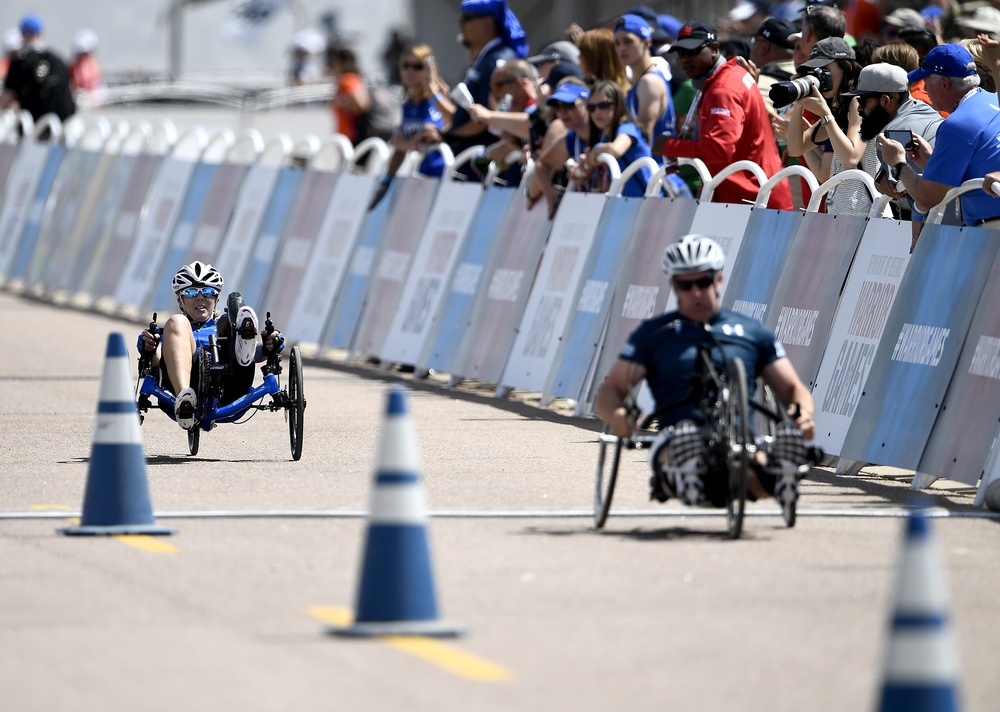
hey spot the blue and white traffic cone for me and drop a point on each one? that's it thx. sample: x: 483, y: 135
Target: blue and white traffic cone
x: 396, y: 593
x: 921, y: 659
x: 117, y: 495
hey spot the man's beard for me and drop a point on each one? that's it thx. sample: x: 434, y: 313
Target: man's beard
x: 873, y: 122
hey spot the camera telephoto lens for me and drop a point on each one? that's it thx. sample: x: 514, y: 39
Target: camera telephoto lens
x: 784, y: 93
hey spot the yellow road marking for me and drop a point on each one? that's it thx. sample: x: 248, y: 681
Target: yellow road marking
x: 446, y: 657
x: 49, y: 506
x: 152, y: 544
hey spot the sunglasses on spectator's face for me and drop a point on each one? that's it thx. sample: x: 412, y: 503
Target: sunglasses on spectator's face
x: 207, y: 292
x: 686, y: 285
x: 601, y: 105
x: 415, y: 66
x: 561, y: 105
x: 502, y: 83
x: 468, y: 18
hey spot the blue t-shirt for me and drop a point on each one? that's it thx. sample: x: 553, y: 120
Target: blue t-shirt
x: 667, y: 347
x: 968, y: 146
x: 636, y: 186
x: 477, y: 80
x: 667, y: 123
x: 415, y: 116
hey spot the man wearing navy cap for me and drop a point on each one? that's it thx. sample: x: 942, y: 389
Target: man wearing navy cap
x: 493, y: 36
x: 771, y: 52
x: 732, y: 123
x: 37, y: 80
x: 966, y: 145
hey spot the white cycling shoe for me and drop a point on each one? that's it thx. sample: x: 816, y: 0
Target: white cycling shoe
x: 184, y: 407
x: 245, y: 325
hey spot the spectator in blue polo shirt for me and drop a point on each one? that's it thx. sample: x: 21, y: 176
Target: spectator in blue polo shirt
x: 966, y: 146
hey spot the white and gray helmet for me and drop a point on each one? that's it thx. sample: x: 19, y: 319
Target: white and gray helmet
x: 692, y: 254
x: 196, y: 274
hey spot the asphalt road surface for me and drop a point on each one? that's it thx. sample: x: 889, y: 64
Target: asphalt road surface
x: 657, y: 611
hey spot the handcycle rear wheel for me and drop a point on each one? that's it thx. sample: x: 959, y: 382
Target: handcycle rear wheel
x: 604, y: 487
x: 737, y: 433
x: 296, y: 402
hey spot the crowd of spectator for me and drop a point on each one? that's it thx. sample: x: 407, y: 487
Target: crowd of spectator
x: 780, y: 83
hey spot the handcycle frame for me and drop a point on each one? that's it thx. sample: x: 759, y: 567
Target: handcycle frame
x: 731, y: 448
x: 208, y: 373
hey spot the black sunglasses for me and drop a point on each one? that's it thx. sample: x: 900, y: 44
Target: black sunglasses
x: 557, y: 105
x: 417, y: 66
x: 686, y: 285
x: 469, y: 18
x: 602, y: 105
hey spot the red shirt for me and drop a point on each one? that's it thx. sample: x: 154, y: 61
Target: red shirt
x: 733, y: 125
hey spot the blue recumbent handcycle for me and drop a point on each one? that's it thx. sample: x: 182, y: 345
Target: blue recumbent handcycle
x: 730, y: 417
x: 208, y: 378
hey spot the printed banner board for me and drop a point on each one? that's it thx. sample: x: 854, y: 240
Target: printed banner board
x: 805, y: 297
x: 345, y: 312
x: 161, y: 296
x: 36, y: 213
x: 19, y: 200
x: 255, y: 197
x: 115, y: 245
x: 392, y: 264
x: 726, y: 223
x: 762, y: 258
x: 253, y: 280
x: 869, y: 293
x: 484, y: 236
x: 94, y: 227
x: 297, y: 239
x: 8, y: 156
x: 199, y: 228
x: 324, y: 274
x: 75, y: 174
x: 434, y: 262
x: 963, y: 433
x: 165, y: 200
x: 219, y: 206
x: 551, y: 300
x: 919, y: 350
x: 641, y: 289
x: 500, y: 303
x: 578, y: 350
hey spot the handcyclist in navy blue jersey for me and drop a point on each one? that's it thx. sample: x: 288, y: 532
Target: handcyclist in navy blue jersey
x: 198, y: 287
x: 664, y: 351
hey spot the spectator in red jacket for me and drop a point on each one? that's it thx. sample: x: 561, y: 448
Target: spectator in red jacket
x: 732, y: 123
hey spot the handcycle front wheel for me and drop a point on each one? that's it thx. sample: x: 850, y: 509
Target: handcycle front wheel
x: 296, y: 402
x: 200, y: 382
x: 737, y: 435
x: 607, y: 475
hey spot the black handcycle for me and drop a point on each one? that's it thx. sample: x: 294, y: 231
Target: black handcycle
x: 729, y: 413
x: 208, y: 378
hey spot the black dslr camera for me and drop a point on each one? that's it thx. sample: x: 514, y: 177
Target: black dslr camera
x: 784, y: 93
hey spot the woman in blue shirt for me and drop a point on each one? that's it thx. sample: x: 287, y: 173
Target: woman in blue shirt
x: 427, y: 114
x: 614, y: 132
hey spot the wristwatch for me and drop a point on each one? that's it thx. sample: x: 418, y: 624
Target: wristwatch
x: 897, y: 169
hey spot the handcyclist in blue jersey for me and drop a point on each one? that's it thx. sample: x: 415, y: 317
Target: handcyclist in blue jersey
x: 198, y: 287
x: 664, y: 351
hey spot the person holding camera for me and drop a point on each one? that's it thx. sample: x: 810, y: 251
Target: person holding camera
x: 732, y: 123
x: 832, y: 142
x: 885, y: 105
